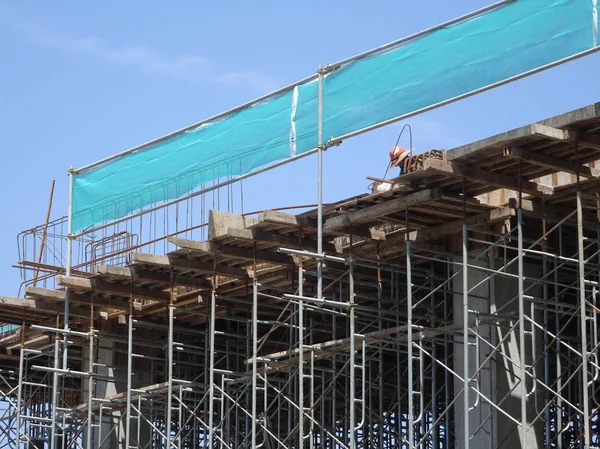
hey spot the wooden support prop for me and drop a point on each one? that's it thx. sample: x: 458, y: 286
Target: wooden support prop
x: 45, y: 233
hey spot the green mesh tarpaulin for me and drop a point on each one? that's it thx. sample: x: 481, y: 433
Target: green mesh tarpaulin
x: 517, y: 38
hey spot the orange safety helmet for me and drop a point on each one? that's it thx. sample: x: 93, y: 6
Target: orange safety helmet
x: 397, y: 155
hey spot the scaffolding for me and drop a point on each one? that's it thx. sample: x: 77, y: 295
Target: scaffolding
x: 459, y: 308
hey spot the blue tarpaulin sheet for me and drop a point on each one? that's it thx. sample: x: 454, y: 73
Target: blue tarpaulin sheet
x: 449, y: 62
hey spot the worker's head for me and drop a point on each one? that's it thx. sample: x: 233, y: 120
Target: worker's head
x: 397, y: 155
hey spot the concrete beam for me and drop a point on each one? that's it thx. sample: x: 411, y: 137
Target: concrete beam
x: 59, y: 296
x: 219, y: 223
x: 548, y: 132
x: 233, y: 251
x: 303, y: 222
x: 97, y: 285
x: 168, y: 262
x: 41, y: 306
x: 161, y: 277
x: 284, y: 241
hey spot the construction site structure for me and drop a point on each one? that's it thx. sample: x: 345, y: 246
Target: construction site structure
x: 458, y: 309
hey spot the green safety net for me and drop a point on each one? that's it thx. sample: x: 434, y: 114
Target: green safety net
x: 514, y: 39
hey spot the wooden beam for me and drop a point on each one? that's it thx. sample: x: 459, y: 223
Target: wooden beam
x: 495, y: 179
x: 544, y: 160
x: 160, y: 277
x: 97, y: 285
x: 553, y: 213
x: 586, y: 139
x: 40, y: 306
x: 182, y: 263
x: 59, y: 296
x: 455, y: 227
x: 233, y: 251
x: 382, y: 209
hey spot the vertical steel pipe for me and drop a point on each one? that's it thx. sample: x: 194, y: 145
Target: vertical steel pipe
x: 320, y: 184
x: 352, y: 364
x: 301, y: 358
x: 170, y: 378
x: 254, y: 358
x: 465, y: 317
x: 129, y: 375
x: 583, y: 323
x: 90, y: 398
x: 211, y: 372
x: 522, y: 351
x: 409, y: 326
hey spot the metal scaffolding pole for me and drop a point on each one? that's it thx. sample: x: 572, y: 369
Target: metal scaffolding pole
x: 253, y: 416
x: 409, y: 326
x: 300, y: 358
x: 168, y: 439
x: 522, y: 349
x: 465, y: 335
x: 129, y: 378
x: 352, y: 364
x: 320, y: 149
x: 55, y: 391
x: 211, y: 370
x: 19, y: 396
x: 90, y: 397
x: 583, y: 323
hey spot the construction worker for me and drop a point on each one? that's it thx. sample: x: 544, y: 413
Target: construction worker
x: 397, y: 156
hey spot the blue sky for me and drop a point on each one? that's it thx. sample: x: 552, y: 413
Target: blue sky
x: 82, y: 81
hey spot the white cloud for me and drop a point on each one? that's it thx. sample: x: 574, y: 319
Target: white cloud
x: 185, y: 67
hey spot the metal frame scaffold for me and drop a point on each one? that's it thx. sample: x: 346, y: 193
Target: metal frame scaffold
x: 456, y: 308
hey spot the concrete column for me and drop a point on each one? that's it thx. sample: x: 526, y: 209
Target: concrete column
x: 111, y: 363
x: 482, y: 416
x: 499, y: 377
x: 106, y: 435
x: 507, y: 373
